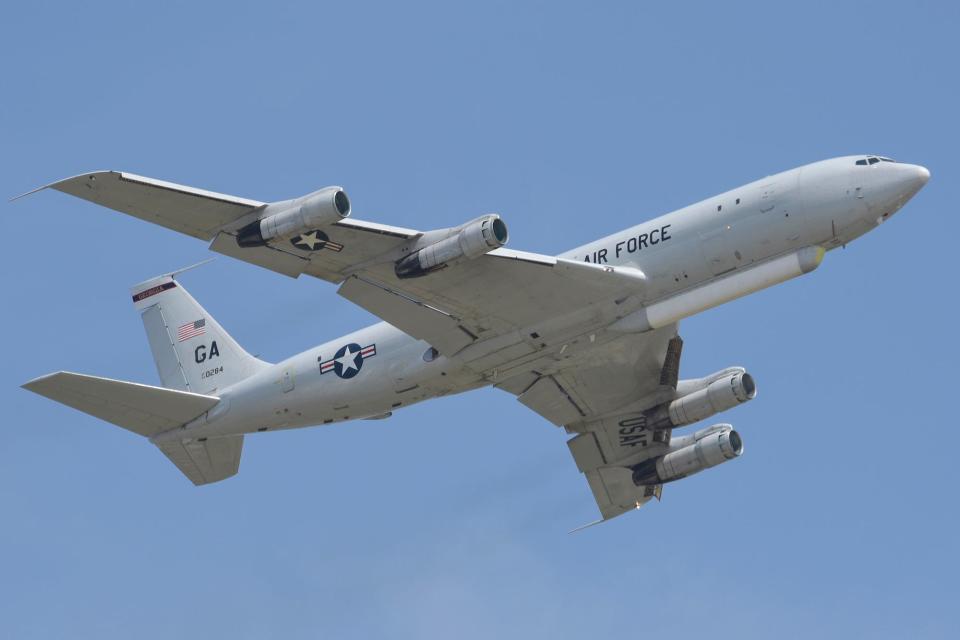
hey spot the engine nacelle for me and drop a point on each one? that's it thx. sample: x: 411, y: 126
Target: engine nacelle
x: 468, y: 241
x: 718, y: 444
x: 292, y: 217
x: 719, y: 393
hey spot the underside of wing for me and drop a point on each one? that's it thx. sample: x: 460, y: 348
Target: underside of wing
x: 327, y: 251
x: 195, y: 212
x: 515, y: 302
x: 507, y: 290
x: 459, y: 303
x: 601, y: 396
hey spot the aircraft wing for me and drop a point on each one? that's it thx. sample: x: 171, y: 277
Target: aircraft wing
x: 216, y: 217
x: 528, y: 301
x: 600, y: 396
x: 195, y: 212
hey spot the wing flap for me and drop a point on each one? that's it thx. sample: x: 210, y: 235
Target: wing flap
x: 140, y: 408
x: 552, y: 401
x: 421, y: 321
x: 600, y: 394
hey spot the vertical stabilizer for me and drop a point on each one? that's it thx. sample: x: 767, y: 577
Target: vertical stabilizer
x: 191, y: 349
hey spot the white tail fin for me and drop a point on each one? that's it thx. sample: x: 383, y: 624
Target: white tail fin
x: 192, y: 351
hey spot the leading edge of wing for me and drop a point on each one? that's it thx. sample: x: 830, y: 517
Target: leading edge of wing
x: 152, y: 182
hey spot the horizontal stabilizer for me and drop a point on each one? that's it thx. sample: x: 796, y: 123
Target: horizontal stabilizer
x: 204, y: 461
x: 140, y: 408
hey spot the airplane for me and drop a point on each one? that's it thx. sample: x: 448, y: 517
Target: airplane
x: 587, y: 339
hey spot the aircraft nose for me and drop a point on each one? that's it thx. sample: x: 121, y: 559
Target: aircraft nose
x: 907, y: 179
x: 920, y: 175
x: 897, y: 183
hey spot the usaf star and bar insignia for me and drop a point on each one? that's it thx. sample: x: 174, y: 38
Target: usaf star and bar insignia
x: 348, y: 360
x: 315, y: 240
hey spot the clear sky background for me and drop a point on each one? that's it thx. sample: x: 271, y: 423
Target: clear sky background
x: 450, y: 519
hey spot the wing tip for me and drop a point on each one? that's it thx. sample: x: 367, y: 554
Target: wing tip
x: 53, y: 185
x: 34, y: 384
x: 587, y: 526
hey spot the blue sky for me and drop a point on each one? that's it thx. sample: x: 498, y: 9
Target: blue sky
x: 450, y: 519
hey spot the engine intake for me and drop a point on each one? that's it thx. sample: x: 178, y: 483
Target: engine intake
x: 291, y: 217
x: 716, y: 393
x: 718, y: 444
x: 468, y: 241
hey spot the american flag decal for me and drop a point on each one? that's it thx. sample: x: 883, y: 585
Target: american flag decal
x: 191, y: 329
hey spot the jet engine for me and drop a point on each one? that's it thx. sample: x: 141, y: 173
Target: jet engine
x: 712, y: 395
x: 468, y: 241
x: 291, y: 217
x: 715, y: 445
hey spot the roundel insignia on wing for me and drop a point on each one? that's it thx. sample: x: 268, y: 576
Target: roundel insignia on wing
x: 348, y: 360
x: 314, y: 240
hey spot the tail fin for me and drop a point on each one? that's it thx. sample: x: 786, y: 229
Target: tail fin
x: 192, y: 351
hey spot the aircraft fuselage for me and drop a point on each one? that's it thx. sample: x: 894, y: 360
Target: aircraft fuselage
x: 378, y: 369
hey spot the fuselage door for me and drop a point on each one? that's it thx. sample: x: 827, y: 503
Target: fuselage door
x: 287, y: 383
x: 768, y: 198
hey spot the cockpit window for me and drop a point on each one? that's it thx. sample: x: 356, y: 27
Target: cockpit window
x: 872, y: 160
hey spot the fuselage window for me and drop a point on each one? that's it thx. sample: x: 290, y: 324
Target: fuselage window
x: 882, y: 159
x: 862, y: 162
x: 719, y: 206
x: 738, y: 200
x: 873, y: 160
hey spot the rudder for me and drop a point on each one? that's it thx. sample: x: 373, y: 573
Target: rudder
x: 191, y: 350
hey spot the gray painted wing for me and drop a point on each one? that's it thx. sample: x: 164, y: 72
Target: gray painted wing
x: 507, y: 304
x: 600, y: 395
x: 195, y: 212
x: 215, y: 217
x: 497, y: 294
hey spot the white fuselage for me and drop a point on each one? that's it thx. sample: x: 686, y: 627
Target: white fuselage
x: 825, y: 204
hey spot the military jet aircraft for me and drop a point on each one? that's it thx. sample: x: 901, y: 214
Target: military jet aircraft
x: 587, y: 339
